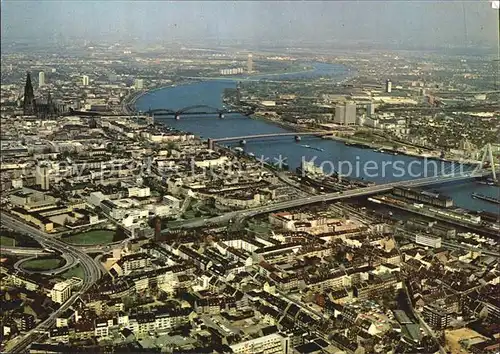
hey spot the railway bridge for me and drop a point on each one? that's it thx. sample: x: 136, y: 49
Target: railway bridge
x: 196, y: 110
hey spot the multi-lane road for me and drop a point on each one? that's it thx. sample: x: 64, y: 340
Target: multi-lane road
x: 359, y: 192
x: 91, y: 270
x: 23, y: 251
x: 69, y: 262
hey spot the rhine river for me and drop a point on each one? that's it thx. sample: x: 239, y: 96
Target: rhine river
x: 334, y: 155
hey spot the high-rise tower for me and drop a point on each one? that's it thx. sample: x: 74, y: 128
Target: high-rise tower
x: 139, y: 84
x: 350, y: 113
x: 29, y: 104
x: 370, y: 109
x: 345, y: 114
x: 42, y: 177
x: 41, y: 79
x: 339, y: 114
x: 388, y: 86
x: 250, y: 63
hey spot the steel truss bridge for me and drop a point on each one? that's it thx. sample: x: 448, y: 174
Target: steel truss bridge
x: 196, y: 110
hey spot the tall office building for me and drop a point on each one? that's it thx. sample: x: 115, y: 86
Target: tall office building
x: 339, y: 114
x: 388, y: 86
x: 250, y: 63
x: 29, y: 104
x: 350, y: 114
x: 345, y: 114
x: 41, y: 79
x: 42, y: 177
x: 139, y: 84
x: 85, y: 80
x: 370, y: 109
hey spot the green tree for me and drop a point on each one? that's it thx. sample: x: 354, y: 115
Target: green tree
x: 171, y: 146
x: 119, y: 234
x: 128, y: 301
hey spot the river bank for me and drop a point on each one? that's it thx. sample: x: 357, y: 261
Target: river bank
x: 378, y: 147
x: 281, y: 124
x: 384, y: 148
x: 390, y: 150
x: 128, y: 102
x: 387, y: 148
x: 249, y: 78
x: 279, y: 148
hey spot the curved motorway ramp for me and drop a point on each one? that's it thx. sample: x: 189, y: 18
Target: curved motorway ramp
x: 70, y: 262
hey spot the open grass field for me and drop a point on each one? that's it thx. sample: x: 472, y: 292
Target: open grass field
x: 6, y: 241
x: 43, y: 263
x: 14, y: 239
x: 259, y: 227
x: 76, y: 271
x: 89, y: 238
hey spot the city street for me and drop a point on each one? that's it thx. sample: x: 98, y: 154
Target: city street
x: 92, y: 273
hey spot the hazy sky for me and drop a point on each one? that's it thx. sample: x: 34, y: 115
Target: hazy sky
x: 254, y: 22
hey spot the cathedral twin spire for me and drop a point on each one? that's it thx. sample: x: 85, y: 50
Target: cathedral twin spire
x: 31, y: 107
x: 29, y: 103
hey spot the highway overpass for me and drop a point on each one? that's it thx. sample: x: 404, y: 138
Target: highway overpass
x: 91, y: 271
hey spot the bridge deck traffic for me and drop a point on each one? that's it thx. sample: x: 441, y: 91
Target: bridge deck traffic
x: 196, y: 110
x: 360, y: 192
x: 271, y: 135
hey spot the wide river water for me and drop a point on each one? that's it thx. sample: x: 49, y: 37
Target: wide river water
x: 334, y: 155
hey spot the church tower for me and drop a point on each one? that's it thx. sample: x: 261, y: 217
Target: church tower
x: 51, y: 106
x: 29, y: 104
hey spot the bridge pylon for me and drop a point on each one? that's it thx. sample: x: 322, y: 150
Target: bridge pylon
x: 488, y: 157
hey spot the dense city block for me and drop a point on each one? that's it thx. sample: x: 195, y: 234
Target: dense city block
x: 247, y: 199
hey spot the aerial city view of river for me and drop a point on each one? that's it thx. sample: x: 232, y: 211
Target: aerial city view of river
x: 210, y: 93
